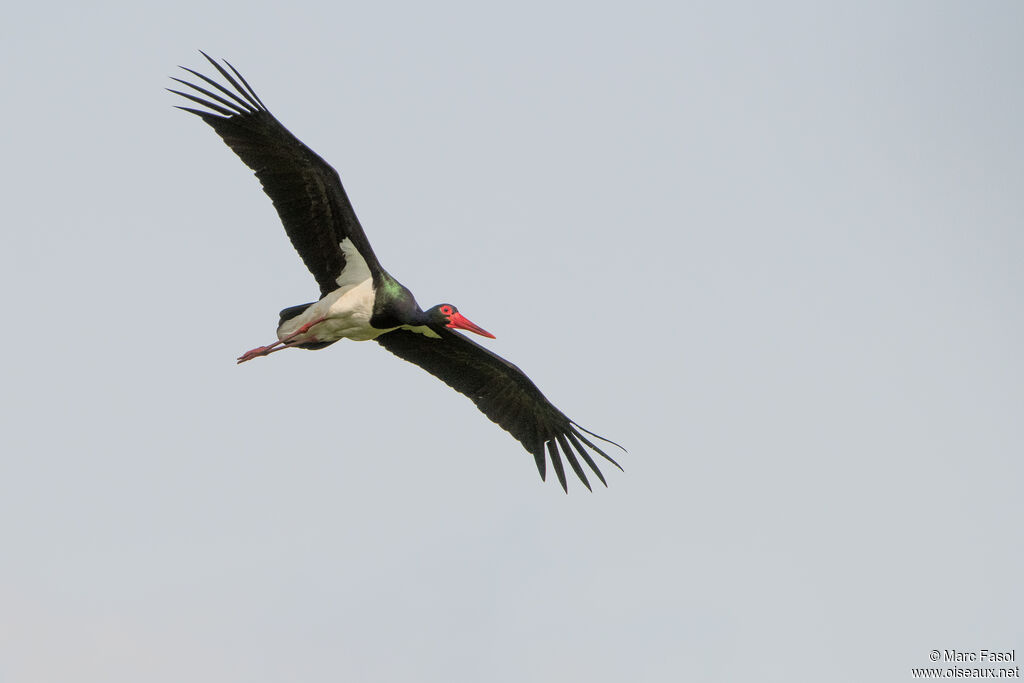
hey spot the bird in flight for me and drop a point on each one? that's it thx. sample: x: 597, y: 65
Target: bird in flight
x: 359, y: 300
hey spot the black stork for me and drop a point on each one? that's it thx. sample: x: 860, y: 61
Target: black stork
x: 359, y: 300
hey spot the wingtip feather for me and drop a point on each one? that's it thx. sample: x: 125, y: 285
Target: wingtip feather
x: 556, y: 463
x: 538, y: 457
x: 586, y: 457
x: 573, y: 462
x: 596, y: 447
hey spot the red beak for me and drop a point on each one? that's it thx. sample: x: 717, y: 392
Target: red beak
x: 461, y: 322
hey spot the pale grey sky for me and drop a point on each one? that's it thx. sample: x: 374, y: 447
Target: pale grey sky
x: 773, y: 249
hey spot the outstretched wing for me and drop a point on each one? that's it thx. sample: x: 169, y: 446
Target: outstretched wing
x: 306, y: 191
x: 503, y: 393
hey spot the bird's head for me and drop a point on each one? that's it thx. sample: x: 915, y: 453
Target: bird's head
x: 449, y: 316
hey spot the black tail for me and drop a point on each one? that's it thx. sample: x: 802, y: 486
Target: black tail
x: 291, y: 312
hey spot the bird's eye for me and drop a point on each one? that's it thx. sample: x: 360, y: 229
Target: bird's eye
x: 446, y: 309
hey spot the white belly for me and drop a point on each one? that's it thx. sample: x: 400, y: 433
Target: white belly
x: 347, y: 313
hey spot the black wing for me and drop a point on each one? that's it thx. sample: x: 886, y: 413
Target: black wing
x: 503, y: 393
x: 306, y: 191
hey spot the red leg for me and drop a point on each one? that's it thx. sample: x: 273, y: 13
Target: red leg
x: 279, y: 344
x: 260, y: 351
x: 304, y: 329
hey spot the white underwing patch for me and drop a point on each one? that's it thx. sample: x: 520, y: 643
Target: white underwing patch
x: 422, y: 329
x: 355, y: 270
